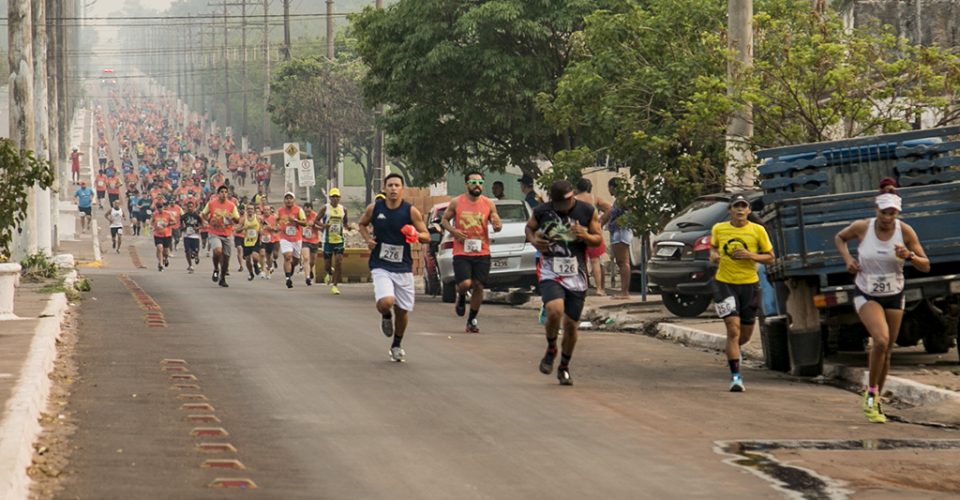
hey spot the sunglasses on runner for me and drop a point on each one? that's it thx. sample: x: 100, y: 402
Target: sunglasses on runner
x: 475, y: 182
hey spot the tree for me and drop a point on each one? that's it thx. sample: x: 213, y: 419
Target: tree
x: 459, y: 79
x: 626, y: 92
x: 19, y: 172
x: 313, y: 97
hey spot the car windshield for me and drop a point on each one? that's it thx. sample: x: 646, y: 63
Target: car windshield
x: 700, y: 214
x: 513, y: 212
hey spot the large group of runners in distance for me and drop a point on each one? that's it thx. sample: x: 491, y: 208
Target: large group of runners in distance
x: 177, y: 192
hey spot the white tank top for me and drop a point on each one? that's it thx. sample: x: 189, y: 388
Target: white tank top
x: 116, y: 217
x: 881, y: 272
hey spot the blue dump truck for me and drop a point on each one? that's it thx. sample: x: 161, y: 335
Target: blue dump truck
x: 811, y: 192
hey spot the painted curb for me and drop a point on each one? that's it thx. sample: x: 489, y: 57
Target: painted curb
x: 903, y: 389
x: 20, y: 424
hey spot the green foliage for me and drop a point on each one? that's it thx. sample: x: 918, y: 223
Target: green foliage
x: 460, y: 79
x: 568, y: 164
x: 19, y: 172
x: 36, y: 267
x: 626, y: 94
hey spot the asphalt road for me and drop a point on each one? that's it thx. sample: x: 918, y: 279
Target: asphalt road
x: 302, y: 383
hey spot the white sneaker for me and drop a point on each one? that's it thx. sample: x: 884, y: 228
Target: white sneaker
x: 397, y: 354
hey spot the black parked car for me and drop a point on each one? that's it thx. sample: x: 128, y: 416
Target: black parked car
x: 679, y: 269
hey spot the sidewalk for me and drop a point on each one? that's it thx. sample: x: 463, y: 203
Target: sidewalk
x: 927, y: 383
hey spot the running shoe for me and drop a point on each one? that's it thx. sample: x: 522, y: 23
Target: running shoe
x: 166, y: 262
x: 160, y: 267
x: 543, y: 315
x: 223, y: 283
x: 196, y: 260
x: 563, y: 375
x: 461, y: 306
x: 309, y: 281
x: 397, y: 354
x: 289, y: 282
x: 326, y: 280
x: 216, y: 276
x: 334, y: 290
x: 250, y: 278
x: 546, y: 364
x: 871, y: 408
x: 386, y: 326
x: 736, y: 383
x: 472, y: 326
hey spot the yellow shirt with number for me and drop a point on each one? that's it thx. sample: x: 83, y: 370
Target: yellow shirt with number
x: 251, y: 231
x: 727, y: 238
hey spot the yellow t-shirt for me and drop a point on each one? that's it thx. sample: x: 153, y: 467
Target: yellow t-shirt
x: 727, y: 238
x: 251, y: 231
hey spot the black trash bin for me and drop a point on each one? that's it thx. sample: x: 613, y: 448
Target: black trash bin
x: 773, y: 337
x: 806, y: 352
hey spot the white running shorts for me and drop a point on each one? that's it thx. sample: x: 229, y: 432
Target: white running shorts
x: 397, y: 285
x: 291, y: 246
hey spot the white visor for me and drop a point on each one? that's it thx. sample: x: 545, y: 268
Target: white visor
x: 889, y: 200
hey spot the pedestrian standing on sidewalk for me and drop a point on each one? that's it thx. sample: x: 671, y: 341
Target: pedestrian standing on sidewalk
x: 466, y: 218
x: 620, y: 236
x: 738, y: 245
x: 75, y: 165
x: 396, y: 224
x: 885, y: 244
x: 584, y: 193
x: 562, y: 229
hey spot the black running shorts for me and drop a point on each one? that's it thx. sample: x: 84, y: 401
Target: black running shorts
x: 741, y: 300
x: 573, y: 301
x: 474, y: 268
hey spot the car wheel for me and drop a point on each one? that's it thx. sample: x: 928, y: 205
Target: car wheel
x: 448, y: 292
x: 686, y: 306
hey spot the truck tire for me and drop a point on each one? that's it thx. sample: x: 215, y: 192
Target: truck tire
x: 773, y: 337
x: 448, y: 292
x: 686, y: 306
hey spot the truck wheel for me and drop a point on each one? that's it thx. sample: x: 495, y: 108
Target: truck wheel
x: 448, y: 292
x: 686, y: 306
x: 773, y: 337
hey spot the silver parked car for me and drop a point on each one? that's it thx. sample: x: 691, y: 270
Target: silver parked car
x: 512, y: 259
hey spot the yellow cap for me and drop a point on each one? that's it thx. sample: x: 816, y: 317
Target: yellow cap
x: 334, y: 192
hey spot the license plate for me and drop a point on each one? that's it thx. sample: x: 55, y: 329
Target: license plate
x: 666, y: 251
x: 498, y: 263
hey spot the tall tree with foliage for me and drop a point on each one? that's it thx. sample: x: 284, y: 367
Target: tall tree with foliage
x: 313, y: 97
x: 460, y: 78
x: 19, y: 172
x: 626, y: 94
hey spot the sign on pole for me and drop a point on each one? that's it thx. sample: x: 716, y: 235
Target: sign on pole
x: 291, y: 155
x: 306, y: 175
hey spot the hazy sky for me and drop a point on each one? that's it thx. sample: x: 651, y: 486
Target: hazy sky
x: 107, y: 7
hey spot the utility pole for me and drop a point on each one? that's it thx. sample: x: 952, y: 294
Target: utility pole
x: 333, y: 143
x: 266, y: 81
x: 20, y: 46
x: 740, y: 128
x: 41, y: 146
x: 286, y: 30
x: 379, y: 153
x: 226, y: 70
x: 52, y: 117
x: 243, y: 72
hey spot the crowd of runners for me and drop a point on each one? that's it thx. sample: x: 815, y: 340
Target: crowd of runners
x: 183, y: 198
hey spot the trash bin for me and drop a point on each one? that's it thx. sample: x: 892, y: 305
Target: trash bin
x: 806, y: 352
x: 773, y: 337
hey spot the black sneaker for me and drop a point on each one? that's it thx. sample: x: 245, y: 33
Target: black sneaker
x: 250, y: 278
x: 223, y: 283
x: 289, y: 282
x: 546, y: 364
x: 309, y: 281
x: 166, y: 262
x: 386, y: 326
x: 159, y: 268
x: 563, y: 375
x: 472, y: 326
x: 216, y: 275
x: 461, y: 307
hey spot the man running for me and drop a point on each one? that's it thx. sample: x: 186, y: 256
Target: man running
x: 251, y: 240
x: 162, y: 226
x: 268, y: 242
x: 471, y: 212
x: 84, y: 196
x: 115, y: 218
x: 396, y: 224
x: 100, y: 182
x: 191, y: 223
x: 562, y: 229
x: 291, y: 220
x: 738, y: 245
x: 221, y: 214
x: 311, y: 242
x: 332, y: 218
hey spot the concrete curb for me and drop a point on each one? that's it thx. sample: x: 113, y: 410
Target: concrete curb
x: 20, y: 424
x: 902, y: 389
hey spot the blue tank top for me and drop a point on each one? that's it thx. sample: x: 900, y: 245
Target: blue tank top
x: 392, y: 252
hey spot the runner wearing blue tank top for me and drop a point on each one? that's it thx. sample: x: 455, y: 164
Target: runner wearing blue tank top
x: 885, y: 245
x: 396, y: 224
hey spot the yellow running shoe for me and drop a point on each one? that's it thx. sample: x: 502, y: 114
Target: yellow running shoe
x: 871, y: 409
x: 326, y: 280
x: 334, y: 290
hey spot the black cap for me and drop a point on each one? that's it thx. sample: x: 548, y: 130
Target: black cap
x: 526, y: 180
x: 739, y: 198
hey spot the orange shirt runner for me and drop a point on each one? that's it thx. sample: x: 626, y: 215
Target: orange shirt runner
x: 222, y: 215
